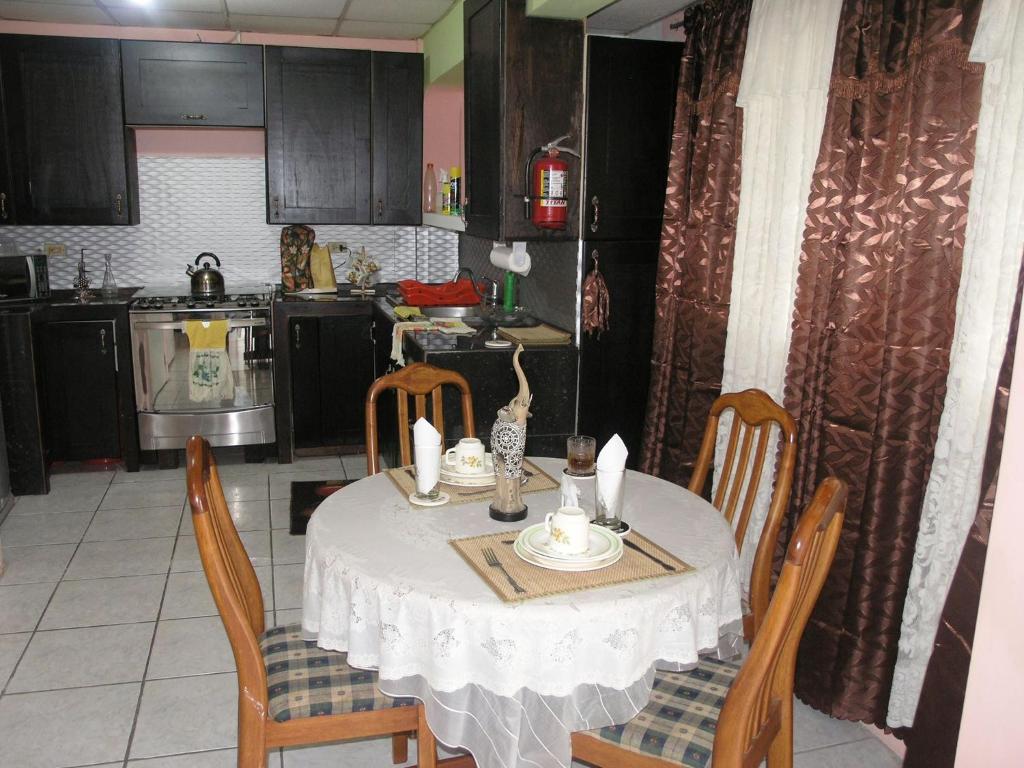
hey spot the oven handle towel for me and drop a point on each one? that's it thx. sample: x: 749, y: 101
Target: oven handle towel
x: 210, y: 376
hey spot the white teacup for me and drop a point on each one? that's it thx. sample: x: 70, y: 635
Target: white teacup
x: 466, y: 457
x: 569, y: 530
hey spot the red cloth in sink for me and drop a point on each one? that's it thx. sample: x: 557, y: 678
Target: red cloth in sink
x: 417, y: 294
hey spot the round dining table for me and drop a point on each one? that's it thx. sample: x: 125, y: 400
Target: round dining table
x: 509, y: 682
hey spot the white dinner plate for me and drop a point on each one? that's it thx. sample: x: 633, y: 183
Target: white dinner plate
x: 602, y: 545
x: 562, y: 565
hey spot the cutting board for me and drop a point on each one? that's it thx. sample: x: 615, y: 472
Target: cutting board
x: 541, y: 335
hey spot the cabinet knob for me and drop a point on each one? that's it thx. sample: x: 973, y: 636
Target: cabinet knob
x: 103, y: 341
x: 380, y: 209
x: 3, y: 206
x: 595, y: 213
x: 119, y: 203
x: 191, y: 116
x: 275, y: 203
x: 297, y: 333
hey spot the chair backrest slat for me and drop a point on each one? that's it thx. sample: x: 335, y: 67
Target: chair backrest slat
x: 752, y: 410
x: 419, y: 380
x: 764, y: 684
x: 232, y: 579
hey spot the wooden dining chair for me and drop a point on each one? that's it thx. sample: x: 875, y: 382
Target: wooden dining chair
x: 418, y: 380
x: 720, y: 712
x: 290, y: 692
x: 754, y: 414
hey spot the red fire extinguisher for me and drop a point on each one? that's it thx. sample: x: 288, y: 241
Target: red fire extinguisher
x: 546, y: 204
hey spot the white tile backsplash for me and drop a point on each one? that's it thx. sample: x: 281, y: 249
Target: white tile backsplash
x: 193, y: 204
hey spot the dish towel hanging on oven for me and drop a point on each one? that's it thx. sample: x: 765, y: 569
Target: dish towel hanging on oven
x: 208, y: 362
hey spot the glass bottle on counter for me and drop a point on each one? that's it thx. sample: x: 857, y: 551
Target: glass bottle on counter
x: 429, y: 190
x: 109, y: 287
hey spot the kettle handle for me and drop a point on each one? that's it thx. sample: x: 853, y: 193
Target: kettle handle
x: 210, y: 255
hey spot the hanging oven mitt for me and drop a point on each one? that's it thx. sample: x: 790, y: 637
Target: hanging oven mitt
x: 296, y: 244
x: 595, y: 301
x: 321, y: 268
x: 209, y: 366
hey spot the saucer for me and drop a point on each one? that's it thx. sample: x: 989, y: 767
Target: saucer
x: 442, y: 498
x: 602, y: 544
x: 563, y: 565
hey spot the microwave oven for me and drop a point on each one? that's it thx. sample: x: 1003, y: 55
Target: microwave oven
x: 24, y: 277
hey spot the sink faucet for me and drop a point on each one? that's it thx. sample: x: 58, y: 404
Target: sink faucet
x: 492, y: 285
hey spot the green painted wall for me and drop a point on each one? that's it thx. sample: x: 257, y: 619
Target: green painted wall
x: 442, y: 49
x: 565, y: 9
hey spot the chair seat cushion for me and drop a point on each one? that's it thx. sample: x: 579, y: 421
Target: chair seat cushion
x: 679, y: 722
x: 306, y: 681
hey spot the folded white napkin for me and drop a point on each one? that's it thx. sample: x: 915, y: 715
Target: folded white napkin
x: 613, y: 455
x: 570, y: 493
x: 611, y: 472
x: 427, y: 455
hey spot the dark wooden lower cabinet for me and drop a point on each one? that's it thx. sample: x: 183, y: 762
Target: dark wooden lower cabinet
x: 322, y: 375
x: 80, y: 363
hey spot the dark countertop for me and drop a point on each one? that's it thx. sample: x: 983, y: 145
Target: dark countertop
x: 68, y: 297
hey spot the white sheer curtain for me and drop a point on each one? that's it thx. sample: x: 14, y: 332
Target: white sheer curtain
x: 992, y: 258
x: 784, y: 93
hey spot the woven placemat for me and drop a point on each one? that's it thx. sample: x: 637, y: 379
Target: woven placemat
x: 536, y: 480
x: 543, y: 582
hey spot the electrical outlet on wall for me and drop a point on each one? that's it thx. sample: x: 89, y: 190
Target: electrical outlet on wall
x: 336, y: 248
x: 55, y: 250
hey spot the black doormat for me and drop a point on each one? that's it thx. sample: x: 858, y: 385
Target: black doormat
x: 306, y: 497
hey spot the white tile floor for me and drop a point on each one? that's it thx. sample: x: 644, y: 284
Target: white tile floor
x: 111, y: 653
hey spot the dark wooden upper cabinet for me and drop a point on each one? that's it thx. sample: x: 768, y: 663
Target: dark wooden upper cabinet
x: 397, y: 148
x: 68, y: 148
x: 631, y: 95
x: 7, y: 209
x: 523, y: 86
x: 192, y: 83
x: 318, y: 136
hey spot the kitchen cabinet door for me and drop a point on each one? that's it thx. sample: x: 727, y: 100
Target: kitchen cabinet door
x: 7, y: 212
x: 304, y: 349
x: 80, y: 380
x: 630, y: 107
x: 346, y: 372
x: 318, y: 136
x: 524, y: 86
x: 615, y: 368
x: 192, y: 83
x: 397, y: 137
x: 20, y: 403
x: 72, y: 162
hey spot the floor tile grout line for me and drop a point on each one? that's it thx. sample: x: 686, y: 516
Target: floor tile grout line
x: 811, y: 750
x: 152, y: 644
x: 49, y: 601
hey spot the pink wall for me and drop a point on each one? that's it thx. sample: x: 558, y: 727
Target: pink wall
x: 443, y: 143
x: 442, y: 105
x: 991, y: 724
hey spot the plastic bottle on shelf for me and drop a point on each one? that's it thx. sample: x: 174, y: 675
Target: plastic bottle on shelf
x: 446, y: 207
x: 455, y: 190
x: 429, y: 190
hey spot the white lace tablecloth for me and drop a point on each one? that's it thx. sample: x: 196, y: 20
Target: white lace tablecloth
x: 510, y: 682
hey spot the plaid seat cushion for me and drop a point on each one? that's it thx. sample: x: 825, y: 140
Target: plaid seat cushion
x: 306, y: 681
x: 679, y: 723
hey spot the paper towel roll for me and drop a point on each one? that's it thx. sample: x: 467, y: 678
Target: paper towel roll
x: 514, y: 258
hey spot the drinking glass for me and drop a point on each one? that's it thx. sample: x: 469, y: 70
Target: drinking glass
x: 581, y: 451
x: 610, y: 486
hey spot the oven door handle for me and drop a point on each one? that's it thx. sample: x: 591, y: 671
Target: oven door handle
x: 176, y: 326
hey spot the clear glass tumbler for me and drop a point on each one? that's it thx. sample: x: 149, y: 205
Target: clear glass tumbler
x: 581, y: 451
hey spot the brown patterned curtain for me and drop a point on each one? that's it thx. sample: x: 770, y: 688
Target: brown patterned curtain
x: 931, y: 743
x: 697, y: 239
x: 873, y: 321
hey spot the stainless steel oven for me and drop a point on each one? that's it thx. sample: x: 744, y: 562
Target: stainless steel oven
x: 170, y: 405
x: 23, y: 277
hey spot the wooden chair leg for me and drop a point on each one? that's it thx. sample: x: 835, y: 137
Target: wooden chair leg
x: 780, y: 752
x: 399, y: 748
x: 426, y: 746
x: 748, y: 628
x: 252, y: 741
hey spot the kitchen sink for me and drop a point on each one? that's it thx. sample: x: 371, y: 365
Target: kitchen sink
x: 462, y: 312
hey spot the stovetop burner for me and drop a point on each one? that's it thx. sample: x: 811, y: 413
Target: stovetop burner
x: 168, y: 299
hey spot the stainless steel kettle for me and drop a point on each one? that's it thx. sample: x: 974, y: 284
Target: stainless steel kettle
x: 206, y: 281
